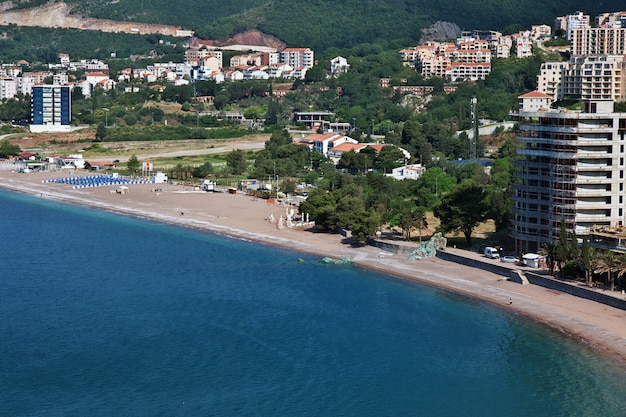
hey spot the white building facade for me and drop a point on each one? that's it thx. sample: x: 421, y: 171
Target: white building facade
x: 572, y: 167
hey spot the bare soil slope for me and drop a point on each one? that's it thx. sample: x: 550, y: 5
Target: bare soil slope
x: 57, y: 15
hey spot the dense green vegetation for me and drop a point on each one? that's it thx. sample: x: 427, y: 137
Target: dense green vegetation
x: 324, y: 23
x: 44, y: 45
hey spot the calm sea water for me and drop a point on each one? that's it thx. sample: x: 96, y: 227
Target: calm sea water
x: 107, y: 315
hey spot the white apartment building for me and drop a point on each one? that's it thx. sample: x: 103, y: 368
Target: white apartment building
x: 8, y: 88
x: 297, y: 57
x: 502, y: 48
x: 460, y: 71
x: 523, y: 45
x: 339, y: 65
x: 597, y: 78
x: 26, y: 85
x: 572, y: 21
x: 256, y: 73
x: 572, y: 167
x: 90, y: 65
x: 60, y: 79
x: 472, y: 56
x: 549, y: 80
x: 584, y: 78
x: 534, y: 101
x: 279, y: 70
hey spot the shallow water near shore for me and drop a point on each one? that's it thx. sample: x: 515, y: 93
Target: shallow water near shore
x: 105, y: 314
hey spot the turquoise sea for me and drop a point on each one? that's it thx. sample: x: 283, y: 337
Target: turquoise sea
x: 109, y: 315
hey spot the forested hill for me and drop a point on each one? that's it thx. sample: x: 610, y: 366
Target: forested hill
x: 321, y: 24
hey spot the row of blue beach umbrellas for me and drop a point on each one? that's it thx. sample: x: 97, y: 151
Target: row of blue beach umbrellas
x: 97, y: 181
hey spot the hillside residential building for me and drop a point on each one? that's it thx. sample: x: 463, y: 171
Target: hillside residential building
x: 339, y: 65
x: 570, y: 22
x: 540, y: 31
x: 195, y: 55
x: 523, y: 44
x: 585, y: 78
x: 535, y: 101
x: 598, y: 41
x: 460, y: 71
x: 614, y: 19
x: 91, y: 81
x: 549, y: 80
x: 313, y: 120
x: 502, y: 48
x: 572, y: 167
x: 51, y: 108
x: 8, y: 88
x: 297, y: 58
x: 407, y: 172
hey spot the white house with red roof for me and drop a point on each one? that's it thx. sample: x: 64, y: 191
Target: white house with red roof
x: 64, y: 60
x: 407, y: 172
x: 534, y: 101
x: 233, y: 75
x: 325, y: 142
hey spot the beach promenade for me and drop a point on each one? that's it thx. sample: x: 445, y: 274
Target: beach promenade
x: 601, y: 327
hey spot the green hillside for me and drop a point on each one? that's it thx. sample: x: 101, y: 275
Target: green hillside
x: 321, y: 24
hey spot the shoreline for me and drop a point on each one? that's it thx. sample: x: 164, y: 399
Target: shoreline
x: 598, y: 326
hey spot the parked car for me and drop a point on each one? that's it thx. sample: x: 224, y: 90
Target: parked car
x: 491, y: 253
x: 509, y: 259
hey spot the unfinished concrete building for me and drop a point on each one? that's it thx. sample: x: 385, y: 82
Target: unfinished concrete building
x: 571, y: 167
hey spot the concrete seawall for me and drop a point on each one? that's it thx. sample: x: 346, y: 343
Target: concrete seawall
x: 572, y: 288
x: 392, y: 247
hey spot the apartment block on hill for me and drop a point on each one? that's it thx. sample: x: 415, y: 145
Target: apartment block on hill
x: 595, y: 77
x: 298, y: 58
x: 469, y: 57
x: 570, y: 22
x: 598, y: 41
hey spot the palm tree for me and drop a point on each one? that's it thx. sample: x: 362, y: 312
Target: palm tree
x: 621, y: 260
x: 548, y: 249
x: 610, y: 264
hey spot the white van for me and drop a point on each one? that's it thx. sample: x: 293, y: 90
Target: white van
x: 492, y: 253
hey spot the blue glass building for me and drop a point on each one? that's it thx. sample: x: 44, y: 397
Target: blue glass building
x: 51, y: 107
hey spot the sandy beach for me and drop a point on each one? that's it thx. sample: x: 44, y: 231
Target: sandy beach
x: 597, y: 325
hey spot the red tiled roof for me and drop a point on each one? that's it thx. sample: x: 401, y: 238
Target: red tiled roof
x: 534, y: 94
